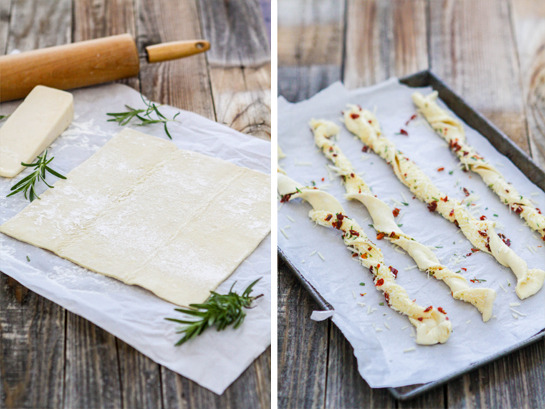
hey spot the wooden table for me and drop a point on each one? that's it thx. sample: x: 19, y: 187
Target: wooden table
x: 51, y: 358
x: 492, y: 52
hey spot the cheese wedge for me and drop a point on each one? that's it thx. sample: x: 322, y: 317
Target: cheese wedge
x: 36, y: 123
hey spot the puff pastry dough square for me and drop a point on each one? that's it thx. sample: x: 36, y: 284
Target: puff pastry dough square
x: 142, y: 211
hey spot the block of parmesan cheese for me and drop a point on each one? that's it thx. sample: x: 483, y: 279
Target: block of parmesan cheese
x: 36, y: 123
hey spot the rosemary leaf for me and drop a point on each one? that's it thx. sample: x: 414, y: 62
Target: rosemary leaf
x: 28, y: 183
x: 143, y: 115
x: 219, y: 310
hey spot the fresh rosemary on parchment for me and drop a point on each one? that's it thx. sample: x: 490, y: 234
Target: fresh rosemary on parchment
x: 219, y: 310
x: 146, y: 116
x: 27, y: 184
x: 2, y: 117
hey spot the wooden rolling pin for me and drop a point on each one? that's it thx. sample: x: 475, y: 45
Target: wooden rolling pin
x: 84, y: 63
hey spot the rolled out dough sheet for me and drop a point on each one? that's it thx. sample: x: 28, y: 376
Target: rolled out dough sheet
x: 141, y: 210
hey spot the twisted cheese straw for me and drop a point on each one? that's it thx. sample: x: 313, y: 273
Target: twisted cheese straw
x: 432, y: 325
x: 480, y: 233
x: 384, y: 222
x: 452, y: 131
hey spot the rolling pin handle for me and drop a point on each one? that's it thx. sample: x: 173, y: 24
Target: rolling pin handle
x: 175, y: 50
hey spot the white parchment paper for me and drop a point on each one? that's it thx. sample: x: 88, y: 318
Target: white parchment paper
x: 382, y: 339
x: 215, y: 359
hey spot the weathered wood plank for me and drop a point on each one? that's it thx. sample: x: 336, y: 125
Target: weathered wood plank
x: 242, y: 99
x: 96, y: 19
x: 5, y: 13
x: 345, y: 386
x: 31, y: 328
x: 528, y: 18
x: 237, y: 33
x: 31, y: 348
x: 302, y: 347
x: 473, y: 50
x: 239, y: 65
x: 140, y: 378
x: 183, y: 83
x: 101, y: 18
x: 39, y: 23
x: 516, y: 381
x: 384, y: 39
x: 92, y: 367
x: 310, y: 46
x: 250, y: 390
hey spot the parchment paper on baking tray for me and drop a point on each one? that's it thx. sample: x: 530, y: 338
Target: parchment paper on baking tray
x: 214, y: 359
x: 383, y: 341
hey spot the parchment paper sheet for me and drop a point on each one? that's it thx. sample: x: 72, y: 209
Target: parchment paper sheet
x: 215, y: 359
x: 380, y: 337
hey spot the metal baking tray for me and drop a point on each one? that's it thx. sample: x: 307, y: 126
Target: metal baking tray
x: 503, y: 145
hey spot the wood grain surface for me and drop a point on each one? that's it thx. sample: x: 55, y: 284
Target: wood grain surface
x: 490, y: 52
x: 51, y: 358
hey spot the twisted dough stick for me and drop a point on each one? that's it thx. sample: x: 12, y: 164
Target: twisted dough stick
x: 384, y: 223
x: 432, y: 325
x: 480, y: 233
x: 452, y: 131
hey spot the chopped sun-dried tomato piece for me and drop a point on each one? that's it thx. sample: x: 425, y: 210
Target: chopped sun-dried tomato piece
x: 380, y: 236
x: 483, y: 217
x: 380, y: 281
x: 441, y: 310
x: 428, y: 309
x: 440, y: 169
x: 517, y: 210
x: 403, y: 132
x: 432, y: 206
x: 354, y: 232
x: 455, y: 146
x: 504, y: 239
x: 285, y: 198
x: 365, y: 148
x: 466, y: 192
x: 394, y: 271
x: 328, y: 217
x: 395, y: 212
x: 410, y: 119
x: 354, y: 116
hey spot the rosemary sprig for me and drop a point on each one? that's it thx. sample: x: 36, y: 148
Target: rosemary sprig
x: 27, y: 184
x: 143, y: 115
x: 219, y: 310
x: 2, y: 117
